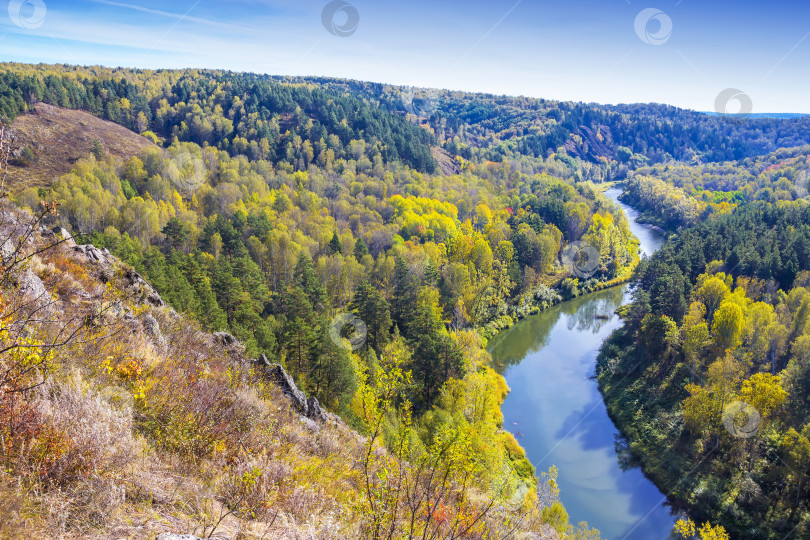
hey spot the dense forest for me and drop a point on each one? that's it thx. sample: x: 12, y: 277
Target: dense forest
x: 676, y: 195
x: 314, y: 227
x: 243, y: 114
x: 616, y: 138
x: 708, y: 377
x: 302, y: 119
x: 372, y: 238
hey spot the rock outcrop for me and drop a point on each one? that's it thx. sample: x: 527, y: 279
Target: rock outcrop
x: 142, y: 290
x: 31, y: 287
x: 64, y: 235
x: 224, y: 338
x: 94, y: 255
x: 152, y: 329
x: 306, y: 406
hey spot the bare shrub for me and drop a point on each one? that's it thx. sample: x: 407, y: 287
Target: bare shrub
x: 13, y: 502
x: 252, y: 487
x: 63, y: 435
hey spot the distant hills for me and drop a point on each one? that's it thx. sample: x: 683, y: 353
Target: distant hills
x: 778, y: 116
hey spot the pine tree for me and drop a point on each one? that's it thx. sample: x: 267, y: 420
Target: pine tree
x: 226, y: 286
x: 360, y: 249
x: 431, y: 274
x: 175, y: 233
x: 307, y: 279
x: 335, y: 245
x: 333, y: 378
x: 298, y: 335
x: 372, y: 308
x: 404, y: 299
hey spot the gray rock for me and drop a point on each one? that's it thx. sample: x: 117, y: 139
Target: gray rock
x: 152, y: 329
x: 315, y: 411
x: 308, y: 407
x: 94, y: 254
x: 224, y: 338
x: 137, y: 285
x: 69, y: 241
x: 31, y: 287
x: 279, y: 375
x: 6, y: 251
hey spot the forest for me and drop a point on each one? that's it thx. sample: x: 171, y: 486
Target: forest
x: 242, y: 114
x: 316, y: 228
x: 677, y: 195
x: 371, y: 239
x: 708, y: 377
x: 609, y: 139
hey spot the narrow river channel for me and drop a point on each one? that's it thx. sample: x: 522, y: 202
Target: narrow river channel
x: 556, y: 411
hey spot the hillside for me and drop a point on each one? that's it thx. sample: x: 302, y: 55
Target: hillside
x: 306, y: 120
x: 243, y: 114
x: 610, y: 140
x: 122, y: 419
x: 343, y: 264
x: 675, y: 195
x: 57, y: 138
x: 708, y: 378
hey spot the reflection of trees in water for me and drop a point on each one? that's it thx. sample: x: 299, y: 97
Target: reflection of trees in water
x: 626, y: 460
x: 531, y: 334
x: 526, y: 337
x: 594, y: 314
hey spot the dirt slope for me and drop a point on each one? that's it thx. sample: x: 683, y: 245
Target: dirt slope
x: 59, y: 137
x: 446, y: 163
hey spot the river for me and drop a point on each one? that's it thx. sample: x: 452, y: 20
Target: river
x: 556, y: 412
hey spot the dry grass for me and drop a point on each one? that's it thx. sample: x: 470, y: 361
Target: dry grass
x: 59, y: 137
x: 128, y: 439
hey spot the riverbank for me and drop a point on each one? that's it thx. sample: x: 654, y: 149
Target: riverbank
x: 555, y: 410
x: 505, y: 322
x: 523, y: 310
x: 621, y: 402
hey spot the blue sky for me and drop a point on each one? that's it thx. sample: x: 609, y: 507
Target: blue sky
x: 583, y: 50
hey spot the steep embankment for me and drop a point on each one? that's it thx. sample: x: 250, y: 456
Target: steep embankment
x: 120, y: 418
x: 48, y: 141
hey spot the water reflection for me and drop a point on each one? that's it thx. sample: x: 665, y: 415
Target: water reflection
x: 556, y: 411
x: 588, y: 314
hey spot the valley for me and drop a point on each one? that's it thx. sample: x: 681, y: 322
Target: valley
x: 308, y: 308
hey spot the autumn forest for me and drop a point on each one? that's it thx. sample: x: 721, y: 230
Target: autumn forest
x: 372, y: 246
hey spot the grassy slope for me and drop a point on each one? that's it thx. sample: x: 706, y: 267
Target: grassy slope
x: 59, y: 137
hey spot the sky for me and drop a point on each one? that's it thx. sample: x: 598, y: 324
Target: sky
x: 724, y: 56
